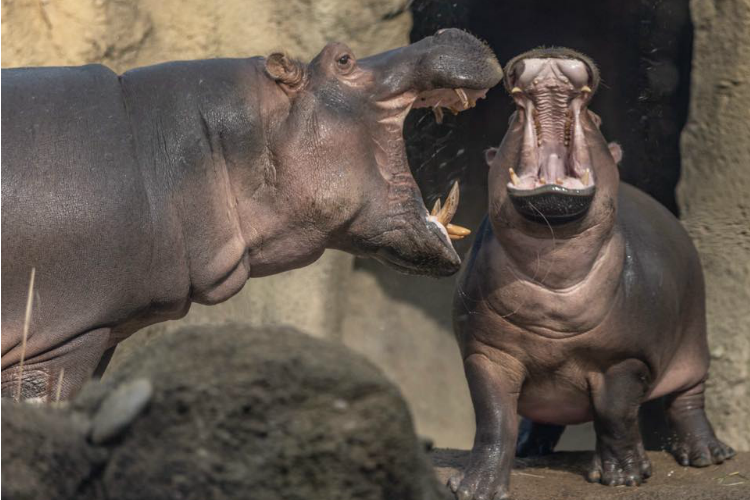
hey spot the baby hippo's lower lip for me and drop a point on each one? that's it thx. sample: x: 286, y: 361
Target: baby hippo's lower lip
x: 552, y: 203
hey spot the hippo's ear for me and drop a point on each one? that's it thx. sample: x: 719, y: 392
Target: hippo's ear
x: 595, y: 118
x: 616, y: 151
x: 489, y: 155
x: 288, y: 73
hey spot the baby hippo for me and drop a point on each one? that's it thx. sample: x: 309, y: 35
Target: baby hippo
x: 582, y: 297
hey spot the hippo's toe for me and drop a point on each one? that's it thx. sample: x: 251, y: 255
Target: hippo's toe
x: 628, y: 468
x: 479, y: 483
x: 701, y: 451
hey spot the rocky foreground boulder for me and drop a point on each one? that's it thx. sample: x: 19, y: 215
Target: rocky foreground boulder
x: 222, y: 412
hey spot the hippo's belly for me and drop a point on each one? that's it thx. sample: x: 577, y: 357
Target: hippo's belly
x: 553, y: 403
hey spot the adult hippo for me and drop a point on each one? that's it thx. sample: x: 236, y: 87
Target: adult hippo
x: 133, y: 196
x: 582, y: 297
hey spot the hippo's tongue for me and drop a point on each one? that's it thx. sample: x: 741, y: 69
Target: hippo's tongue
x: 553, y: 163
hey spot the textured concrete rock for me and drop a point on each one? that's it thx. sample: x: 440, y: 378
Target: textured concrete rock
x: 268, y: 412
x: 128, y: 33
x: 714, y: 202
x: 236, y: 412
x: 44, y: 453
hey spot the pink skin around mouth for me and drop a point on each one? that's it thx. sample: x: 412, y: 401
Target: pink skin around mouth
x: 551, y: 94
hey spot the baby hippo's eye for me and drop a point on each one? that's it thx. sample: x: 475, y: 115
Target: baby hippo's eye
x: 345, y: 63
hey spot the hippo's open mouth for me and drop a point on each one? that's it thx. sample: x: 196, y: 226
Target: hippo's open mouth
x: 449, y: 71
x: 555, y: 179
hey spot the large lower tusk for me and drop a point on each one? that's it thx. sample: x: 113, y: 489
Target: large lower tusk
x: 451, y: 205
x: 462, y: 96
x: 585, y: 177
x: 586, y: 88
x: 516, y: 90
x: 435, y: 208
x: 457, y: 232
x: 438, y: 111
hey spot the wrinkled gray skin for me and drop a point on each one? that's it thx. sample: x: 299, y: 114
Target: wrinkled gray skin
x: 582, y: 319
x: 135, y: 195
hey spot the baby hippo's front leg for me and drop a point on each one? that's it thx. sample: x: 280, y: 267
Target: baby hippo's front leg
x: 494, y: 385
x: 620, y: 458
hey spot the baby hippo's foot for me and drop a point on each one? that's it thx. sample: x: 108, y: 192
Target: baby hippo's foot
x: 700, y: 450
x: 694, y: 442
x: 626, y: 465
x: 484, y: 477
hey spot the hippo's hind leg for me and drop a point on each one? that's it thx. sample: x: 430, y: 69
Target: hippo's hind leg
x: 693, y: 441
x: 620, y: 457
x: 60, y: 371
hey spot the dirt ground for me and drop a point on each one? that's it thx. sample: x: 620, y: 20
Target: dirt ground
x: 561, y: 476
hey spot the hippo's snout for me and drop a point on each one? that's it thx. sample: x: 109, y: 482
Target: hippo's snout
x: 455, y: 59
x: 554, y: 156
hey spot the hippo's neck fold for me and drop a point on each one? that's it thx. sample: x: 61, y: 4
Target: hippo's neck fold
x: 557, y: 287
x: 201, y: 140
x: 558, y: 262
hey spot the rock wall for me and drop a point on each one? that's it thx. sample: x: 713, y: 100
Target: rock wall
x: 714, y: 203
x: 127, y: 33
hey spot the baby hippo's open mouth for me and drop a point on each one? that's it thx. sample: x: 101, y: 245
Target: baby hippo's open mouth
x: 554, y: 180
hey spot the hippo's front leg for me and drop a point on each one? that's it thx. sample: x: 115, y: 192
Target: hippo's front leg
x: 494, y: 386
x: 620, y: 457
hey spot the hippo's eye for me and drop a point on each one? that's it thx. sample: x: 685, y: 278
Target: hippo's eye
x: 345, y: 63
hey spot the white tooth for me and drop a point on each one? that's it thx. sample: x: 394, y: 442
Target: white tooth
x: 586, y: 88
x: 514, y: 178
x: 462, y: 97
x: 446, y: 213
x: 438, y: 111
x: 585, y: 177
x: 436, y: 208
x: 516, y: 90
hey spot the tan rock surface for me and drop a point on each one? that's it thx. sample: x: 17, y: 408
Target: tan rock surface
x: 713, y: 196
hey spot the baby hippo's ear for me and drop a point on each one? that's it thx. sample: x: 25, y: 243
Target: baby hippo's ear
x: 595, y: 118
x: 288, y: 73
x: 616, y: 151
x: 489, y: 155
